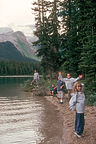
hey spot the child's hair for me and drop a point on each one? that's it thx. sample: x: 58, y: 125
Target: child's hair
x: 76, y: 84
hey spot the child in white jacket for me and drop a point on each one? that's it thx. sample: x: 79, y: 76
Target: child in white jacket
x: 77, y: 102
x: 69, y: 82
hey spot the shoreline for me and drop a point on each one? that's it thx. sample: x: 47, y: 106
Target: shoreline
x: 68, y: 117
x: 16, y: 76
x: 9, y: 76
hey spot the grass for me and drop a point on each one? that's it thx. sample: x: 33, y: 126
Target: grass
x: 41, y: 88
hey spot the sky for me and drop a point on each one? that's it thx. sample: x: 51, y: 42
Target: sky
x: 17, y: 14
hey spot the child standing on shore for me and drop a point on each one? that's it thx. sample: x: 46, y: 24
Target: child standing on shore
x: 77, y: 102
x: 60, y: 90
x: 35, y: 77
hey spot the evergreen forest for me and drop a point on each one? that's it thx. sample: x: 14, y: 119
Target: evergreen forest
x: 8, y: 67
x: 66, y: 31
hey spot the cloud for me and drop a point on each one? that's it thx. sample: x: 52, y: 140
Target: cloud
x: 17, y: 14
x: 26, y: 29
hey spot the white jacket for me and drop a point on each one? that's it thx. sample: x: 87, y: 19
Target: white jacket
x: 36, y: 76
x: 77, y: 102
x: 69, y: 82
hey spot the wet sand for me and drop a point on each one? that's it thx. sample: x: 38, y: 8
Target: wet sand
x: 89, y: 135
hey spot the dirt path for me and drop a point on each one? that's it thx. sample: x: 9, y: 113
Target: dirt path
x: 68, y: 123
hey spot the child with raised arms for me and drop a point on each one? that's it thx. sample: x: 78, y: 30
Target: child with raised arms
x: 69, y: 82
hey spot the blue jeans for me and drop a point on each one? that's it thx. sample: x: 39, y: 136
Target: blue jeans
x: 79, y: 123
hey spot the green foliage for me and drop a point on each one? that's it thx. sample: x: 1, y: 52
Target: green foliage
x: 74, y: 43
x: 47, y: 31
x: 80, y: 39
x: 47, y: 83
x: 18, y: 68
x: 91, y: 98
x: 9, y: 52
x: 41, y: 88
x: 27, y: 87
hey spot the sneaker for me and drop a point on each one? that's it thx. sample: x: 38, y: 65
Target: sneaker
x: 79, y: 136
x: 61, y: 101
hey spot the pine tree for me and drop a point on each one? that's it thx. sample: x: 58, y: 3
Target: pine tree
x: 87, y: 40
x: 80, y: 37
x: 48, y: 35
x: 54, y: 33
x: 70, y: 36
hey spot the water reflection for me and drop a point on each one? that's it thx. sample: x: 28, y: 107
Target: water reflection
x: 20, y: 120
x: 25, y: 119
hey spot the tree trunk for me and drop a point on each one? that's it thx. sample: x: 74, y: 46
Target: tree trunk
x: 50, y: 74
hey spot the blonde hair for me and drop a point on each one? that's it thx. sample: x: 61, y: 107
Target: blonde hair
x: 76, y: 84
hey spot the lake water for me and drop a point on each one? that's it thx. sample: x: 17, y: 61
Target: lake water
x: 25, y: 118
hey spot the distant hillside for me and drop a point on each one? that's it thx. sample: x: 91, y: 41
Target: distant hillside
x: 26, y: 48
x: 18, y: 39
x: 9, y: 51
x: 4, y: 30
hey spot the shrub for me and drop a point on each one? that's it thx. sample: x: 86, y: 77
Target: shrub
x: 91, y: 98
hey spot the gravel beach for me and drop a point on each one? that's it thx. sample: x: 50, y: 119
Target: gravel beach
x: 89, y: 136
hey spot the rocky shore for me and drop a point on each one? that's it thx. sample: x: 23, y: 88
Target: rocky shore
x: 68, y: 117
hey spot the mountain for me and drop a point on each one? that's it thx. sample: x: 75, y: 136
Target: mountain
x: 9, y: 52
x: 31, y: 40
x: 19, y: 40
x: 5, y: 30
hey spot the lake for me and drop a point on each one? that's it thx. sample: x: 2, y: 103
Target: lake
x: 25, y: 118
